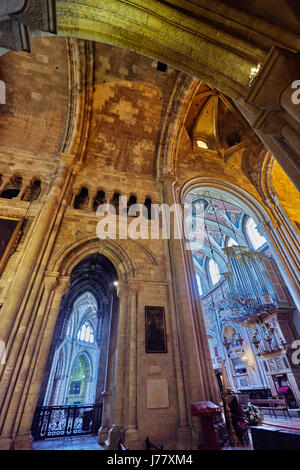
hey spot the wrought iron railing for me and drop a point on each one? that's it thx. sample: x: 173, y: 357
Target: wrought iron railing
x: 66, y: 420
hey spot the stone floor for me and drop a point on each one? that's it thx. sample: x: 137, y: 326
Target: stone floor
x: 281, y: 422
x: 68, y: 443
x: 91, y: 442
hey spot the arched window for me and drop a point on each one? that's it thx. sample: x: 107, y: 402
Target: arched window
x: 199, y: 285
x: 77, y: 383
x: 213, y: 271
x: 86, y: 333
x: 255, y: 238
x: 99, y: 200
x: 82, y: 199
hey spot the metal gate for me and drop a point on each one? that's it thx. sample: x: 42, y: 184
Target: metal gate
x: 66, y: 420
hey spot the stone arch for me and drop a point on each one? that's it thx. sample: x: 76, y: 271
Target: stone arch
x: 88, y: 362
x: 188, y: 41
x: 76, y: 251
x: 247, y: 202
x: 182, y: 97
x: 68, y: 257
x: 190, y: 36
x: 267, y: 226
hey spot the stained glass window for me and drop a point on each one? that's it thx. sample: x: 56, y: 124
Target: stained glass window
x: 86, y: 333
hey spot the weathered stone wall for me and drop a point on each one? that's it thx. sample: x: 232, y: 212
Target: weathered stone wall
x: 129, y: 109
x: 33, y: 120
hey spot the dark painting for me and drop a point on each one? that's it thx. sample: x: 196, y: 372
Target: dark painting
x: 156, y: 341
x: 9, y: 233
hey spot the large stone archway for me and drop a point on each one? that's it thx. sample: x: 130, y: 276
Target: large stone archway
x: 54, y: 285
x: 183, y: 34
x: 267, y: 221
x: 239, y: 50
x: 223, y: 46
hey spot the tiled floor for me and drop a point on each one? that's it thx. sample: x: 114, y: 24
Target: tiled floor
x: 68, y: 443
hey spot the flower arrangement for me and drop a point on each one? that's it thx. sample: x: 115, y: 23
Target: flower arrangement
x: 253, y: 414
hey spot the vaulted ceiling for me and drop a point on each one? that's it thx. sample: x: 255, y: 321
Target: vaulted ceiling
x: 111, y: 108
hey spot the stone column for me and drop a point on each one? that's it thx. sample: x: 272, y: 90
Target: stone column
x: 109, y: 372
x: 25, y: 186
x: 183, y: 439
x: 22, y: 407
x: 131, y: 367
x: 286, y: 100
x: 21, y: 315
x: 272, y: 112
x: 119, y: 393
x: 294, y: 383
x: 284, y: 252
x: 5, y: 181
x: 294, y: 376
x: 34, y: 249
x: 200, y: 383
x: 92, y: 195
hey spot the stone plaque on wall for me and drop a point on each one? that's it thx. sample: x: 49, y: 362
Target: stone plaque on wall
x: 157, y: 393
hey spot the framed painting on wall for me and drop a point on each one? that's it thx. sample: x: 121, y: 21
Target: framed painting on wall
x: 10, y: 229
x: 156, y: 338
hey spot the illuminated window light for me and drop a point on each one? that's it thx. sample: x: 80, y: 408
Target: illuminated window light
x: 201, y: 144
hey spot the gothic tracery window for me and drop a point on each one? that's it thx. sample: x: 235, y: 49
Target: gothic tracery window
x: 86, y: 333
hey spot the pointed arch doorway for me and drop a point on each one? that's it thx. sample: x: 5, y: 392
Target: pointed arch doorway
x: 75, y: 377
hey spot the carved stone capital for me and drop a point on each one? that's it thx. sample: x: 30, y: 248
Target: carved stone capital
x: 51, y: 279
x: 272, y: 81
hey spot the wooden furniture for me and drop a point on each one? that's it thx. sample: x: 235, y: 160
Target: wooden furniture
x: 272, y: 405
x: 264, y: 438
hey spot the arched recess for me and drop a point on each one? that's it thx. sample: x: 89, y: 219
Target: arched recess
x: 57, y: 280
x: 266, y: 225
x: 90, y: 298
